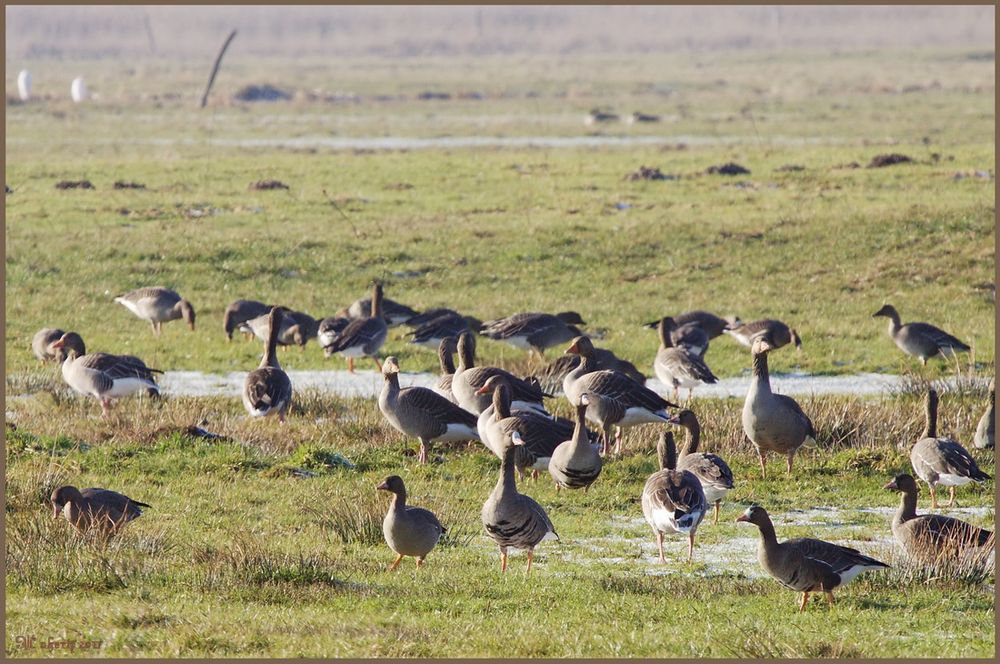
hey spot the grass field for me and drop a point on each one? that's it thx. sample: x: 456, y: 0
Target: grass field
x: 244, y: 554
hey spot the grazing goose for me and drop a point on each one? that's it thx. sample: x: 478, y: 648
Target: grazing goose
x: 297, y: 328
x: 158, y: 306
x: 240, y: 311
x: 363, y: 337
x: 929, y: 537
x: 597, y: 115
x: 101, y: 509
x: 393, y: 312
x: 329, y: 328
x: 510, y: 518
x: 711, y: 470
x: 267, y: 389
x: 984, y: 438
x: 778, y: 334
x: 942, y: 460
x: 677, y: 366
x: 446, y: 352
x: 576, y: 464
x: 773, y: 422
x: 534, y: 331
x: 469, y: 378
x: 689, y: 337
x: 672, y: 499
x: 409, y: 531
x: 41, y: 345
x: 606, y: 412
x: 422, y: 413
x: 551, y: 376
x: 920, y: 339
x: 713, y: 325
x: 803, y: 564
x: 447, y: 324
x: 105, y: 376
x: 641, y: 404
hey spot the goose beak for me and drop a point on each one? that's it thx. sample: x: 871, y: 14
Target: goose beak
x: 383, y: 486
x: 891, y: 486
x: 58, y: 343
x: 483, y: 390
x: 742, y: 517
x: 674, y: 419
x: 571, y: 350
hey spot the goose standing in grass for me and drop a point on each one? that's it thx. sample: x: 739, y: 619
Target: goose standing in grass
x: 106, y: 377
x: 267, y: 389
x: 985, y: 431
x: 534, y: 331
x: 711, y: 470
x: 672, y: 499
x: 469, y: 378
x: 576, y: 463
x: 920, y: 339
x: 446, y: 358
x: 773, y: 422
x: 433, y: 330
x: 422, y: 413
x: 942, y: 460
x: 240, y: 311
x: 329, y: 328
x: 363, y: 337
x: 513, y: 519
x: 551, y: 377
x: 158, y: 306
x: 778, y: 334
x: 689, y: 337
x: 409, y: 531
x: 713, y: 325
x: 677, y: 367
x: 393, y: 312
x: 102, y: 510
x: 803, y: 564
x: 41, y: 345
x: 297, y: 328
x: 929, y: 537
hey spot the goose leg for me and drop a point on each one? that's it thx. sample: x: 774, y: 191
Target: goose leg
x: 153, y: 325
x: 503, y: 559
x: 829, y: 597
x: 350, y: 365
x: 934, y: 503
x: 534, y: 474
x: 557, y: 487
x: 951, y: 496
x: 281, y: 417
x: 762, y: 455
x: 690, y: 546
x: 377, y: 363
x: 531, y: 554
x: 716, y: 522
x: 659, y: 544
x: 420, y: 562
x: 791, y: 457
x: 422, y: 457
x: 105, y: 408
x: 803, y: 602
x: 395, y: 564
x: 605, y: 437
x: 618, y: 441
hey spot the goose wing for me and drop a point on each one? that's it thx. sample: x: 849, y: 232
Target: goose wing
x: 436, y: 406
x: 939, y: 337
x: 620, y: 387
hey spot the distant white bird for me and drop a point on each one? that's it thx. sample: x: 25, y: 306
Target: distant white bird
x: 78, y: 90
x: 24, y: 85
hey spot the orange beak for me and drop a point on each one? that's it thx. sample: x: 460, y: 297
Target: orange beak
x: 383, y: 486
x: 742, y: 517
x: 892, y: 486
x: 483, y: 390
x: 571, y: 349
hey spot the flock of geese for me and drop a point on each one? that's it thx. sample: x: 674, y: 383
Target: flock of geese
x: 507, y: 414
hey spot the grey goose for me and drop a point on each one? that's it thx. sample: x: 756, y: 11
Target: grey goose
x: 41, y: 344
x: 677, y: 367
x: 447, y: 323
x: 551, y: 376
x: 672, y: 499
x: 689, y: 337
x: 297, y: 328
x: 534, y: 331
x: 329, y: 328
x: 920, y: 339
x: 446, y: 358
x: 985, y: 431
x: 409, y: 531
x: 711, y: 470
x: 240, y: 311
x: 157, y: 305
x: 713, y: 325
x: 267, y: 390
x: 106, y: 377
x: 469, y: 378
x: 576, y: 463
x: 100, y: 510
x: 778, y: 334
x: 363, y: 337
x: 393, y: 312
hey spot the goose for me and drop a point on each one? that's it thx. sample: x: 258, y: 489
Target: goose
x: 240, y: 311
x: 576, y: 463
x: 427, y: 316
x: 689, y: 337
x: 920, y: 339
x: 105, y: 376
x: 329, y: 328
x: 448, y: 324
x: 641, y: 405
x: 711, y: 470
x: 672, y: 499
x: 393, y: 312
x: 597, y: 115
x: 446, y: 352
x: 103, y: 510
x: 157, y: 305
x: 534, y: 331
x: 422, y: 413
x: 929, y: 537
x: 267, y: 389
x: 773, y: 422
x: 297, y: 328
x: 713, y: 325
x: 41, y: 344
x: 778, y: 333
x: 677, y: 366
x: 513, y: 519
x: 984, y: 438
x: 804, y: 564
x: 942, y: 460
x: 469, y: 378
x: 363, y: 337
x: 551, y: 376
x: 409, y: 531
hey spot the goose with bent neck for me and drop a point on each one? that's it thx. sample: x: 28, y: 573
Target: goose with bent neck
x: 576, y: 463
x: 267, y: 389
x: 468, y: 379
x: 711, y: 470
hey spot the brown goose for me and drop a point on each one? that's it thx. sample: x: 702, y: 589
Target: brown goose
x: 469, y: 378
x: 773, y: 422
x: 551, y: 376
x: 711, y: 470
x: 713, y: 325
x: 422, y: 413
x: 267, y: 390
x: 157, y: 305
x: 240, y: 311
x: 929, y: 537
x: 329, y: 328
x: 409, y: 531
x: 363, y: 337
x: 433, y: 330
x: 672, y: 499
x: 920, y: 339
x: 985, y: 436
x: 106, y: 377
x: 689, y: 337
x: 576, y: 463
x: 803, y: 564
x: 41, y: 345
x: 99, y: 509
x: 446, y: 353
x: 297, y: 328
x: 677, y: 366
x: 778, y: 334
x: 942, y: 460
x: 393, y: 312
x: 534, y: 331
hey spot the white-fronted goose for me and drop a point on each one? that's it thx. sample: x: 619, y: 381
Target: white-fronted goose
x: 920, y: 339
x: 422, y: 413
x: 157, y: 305
x: 267, y: 389
x: 942, y: 460
x: 642, y: 405
x: 240, y: 311
x: 773, y: 422
x: 985, y: 431
x: 446, y: 353
x: 105, y: 376
x: 713, y: 325
x: 41, y: 344
x: 448, y: 324
x: 363, y: 337
x: 689, y: 337
x: 297, y: 328
x: 575, y: 463
x: 329, y: 328
x: 778, y: 334
x: 930, y: 537
x: 607, y: 413
x: 510, y: 518
x: 409, y: 531
x: 393, y: 312
x: 677, y: 367
x: 551, y: 377
x: 672, y: 500
x: 469, y: 378
x: 534, y: 331
x: 711, y: 470
x: 99, y: 509
x: 804, y: 564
